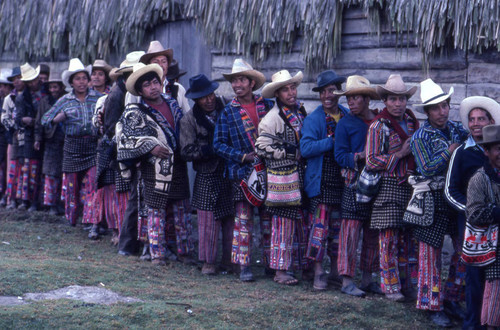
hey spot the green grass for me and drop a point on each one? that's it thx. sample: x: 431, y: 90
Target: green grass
x: 46, y: 254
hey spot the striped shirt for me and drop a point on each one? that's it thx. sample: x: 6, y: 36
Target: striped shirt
x: 78, y: 114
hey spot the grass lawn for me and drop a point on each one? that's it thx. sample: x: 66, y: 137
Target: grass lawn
x: 46, y: 254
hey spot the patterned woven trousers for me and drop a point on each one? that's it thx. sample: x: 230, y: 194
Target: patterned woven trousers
x: 30, y: 179
x: 325, y: 227
x: 430, y: 295
x: 242, y: 234
x: 51, y: 190
x: 3, y: 170
x: 111, y: 205
x: 79, y: 188
x: 288, y: 243
x: 490, y: 313
x: 349, y: 238
x: 208, y: 234
x: 13, y: 174
x: 178, y: 212
x: 398, y: 260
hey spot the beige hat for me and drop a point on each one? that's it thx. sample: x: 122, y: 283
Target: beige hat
x: 491, y: 134
x: 156, y: 49
x: 54, y: 78
x: 395, y: 85
x: 242, y: 68
x: 127, y: 64
x: 280, y: 79
x: 75, y: 66
x: 358, y: 85
x: 101, y: 64
x: 28, y: 73
x: 432, y: 93
x: 483, y: 102
x: 139, y: 70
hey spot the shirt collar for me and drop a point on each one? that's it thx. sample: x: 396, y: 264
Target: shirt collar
x: 470, y: 143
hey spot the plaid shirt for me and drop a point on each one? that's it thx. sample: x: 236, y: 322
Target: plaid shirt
x: 430, y: 145
x: 231, y: 141
x: 78, y: 114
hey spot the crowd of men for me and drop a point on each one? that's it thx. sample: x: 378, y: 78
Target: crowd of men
x: 111, y: 145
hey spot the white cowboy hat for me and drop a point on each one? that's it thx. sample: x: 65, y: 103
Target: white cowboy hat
x: 29, y: 73
x: 127, y: 64
x: 156, y: 49
x: 431, y: 93
x: 358, y: 85
x: 482, y: 102
x: 139, y: 70
x: 242, y: 68
x: 4, y: 74
x: 395, y: 85
x: 75, y: 66
x: 280, y: 79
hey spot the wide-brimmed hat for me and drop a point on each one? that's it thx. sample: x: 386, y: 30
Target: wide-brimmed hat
x: 75, y: 66
x: 5, y: 73
x: 16, y: 71
x: 396, y: 86
x: 358, y: 85
x: 431, y: 93
x: 102, y: 65
x: 127, y: 64
x: 54, y: 78
x: 200, y: 86
x: 174, y: 72
x: 328, y: 77
x: 156, y: 49
x: 242, y: 68
x: 29, y: 73
x: 491, y: 134
x: 482, y: 102
x: 139, y: 70
x: 280, y: 79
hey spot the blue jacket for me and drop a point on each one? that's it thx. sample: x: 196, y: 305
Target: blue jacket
x: 313, y: 145
x: 350, y: 138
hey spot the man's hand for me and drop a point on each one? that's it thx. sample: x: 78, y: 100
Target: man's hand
x: 249, y: 157
x: 28, y: 121
x: 160, y: 152
x: 99, y: 118
x: 405, y: 150
x: 453, y: 146
x: 36, y: 145
x: 59, y: 118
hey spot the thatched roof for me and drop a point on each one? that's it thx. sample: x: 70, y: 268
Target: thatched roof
x: 92, y: 28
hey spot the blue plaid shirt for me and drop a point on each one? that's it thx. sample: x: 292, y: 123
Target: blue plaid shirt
x: 231, y: 142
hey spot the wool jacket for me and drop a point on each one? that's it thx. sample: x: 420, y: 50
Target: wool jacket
x: 27, y: 106
x: 314, y: 143
x: 114, y: 105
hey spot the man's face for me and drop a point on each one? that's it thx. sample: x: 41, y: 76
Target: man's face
x: 98, y: 78
x: 287, y: 94
x: 18, y: 83
x: 329, y: 100
x: 477, y: 120
x: 162, y: 61
x: 358, y: 103
x: 34, y: 85
x: 242, y: 86
x: 80, y: 82
x: 151, y: 90
x: 493, y: 154
x: 43, y: 77
x: 396, y: 105
x: 56, y: 90
x: 438, y: 114
x: 207, y: 103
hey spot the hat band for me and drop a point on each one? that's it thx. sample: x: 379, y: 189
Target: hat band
x: 435, y: 97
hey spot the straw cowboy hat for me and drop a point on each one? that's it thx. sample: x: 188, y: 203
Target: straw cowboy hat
x: 396, y: 86
x: 5, y: 73
x: 29, y: 73
x: 200, y: 86
x: 431, y: 93
x: 491, y: 134
x: 280, y: 79
x: 127, y: 64
x: 102, y: 65
x: 242, y: 68
x: 483, y: 102
x: 358, y: 85
x: 75, y: 66
x: 156, y: 49
x: 54, y: 78
x: 328, y: 77
x: 174, y: 72
x: 139, y: 70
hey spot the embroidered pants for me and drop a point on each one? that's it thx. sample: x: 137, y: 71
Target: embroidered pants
x: 208, y: 234
x: 13, y: 174
x: 490, y: 313
x: 398, y: 260
x: 430, y: 295
x: 51, y: 190
x: 325, y: 227
x: 30, y: 179
x: 348, y: 245
x: 242, y: 234
x: 178, y: 212
x: 111, y: 205
x: 79, y: 188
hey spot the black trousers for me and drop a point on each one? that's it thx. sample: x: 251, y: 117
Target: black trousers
x: 128, y: 235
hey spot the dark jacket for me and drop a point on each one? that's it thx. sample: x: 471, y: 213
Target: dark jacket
x: 27, y: 107
x: 114, y: 106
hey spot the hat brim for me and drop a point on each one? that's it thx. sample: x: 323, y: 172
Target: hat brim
x: 255, y: 75
x: 368, y: 91
x: 335, y: 81
x: 483, y: 143
x: 105, y: 68
x: 180, y: 74
x: 209, y: 90
x: 130, y: 84
x: 5, y: 81
x: 382, y: 91
x: 437, y: 100
x: 32, y: 77
x: 474, y: 102
x: 169, y: 53
x: 269, y: 89
x: 67, y: 74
